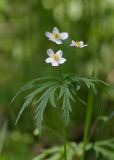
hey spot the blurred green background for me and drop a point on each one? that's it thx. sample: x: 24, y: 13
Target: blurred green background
x: 23, y: 48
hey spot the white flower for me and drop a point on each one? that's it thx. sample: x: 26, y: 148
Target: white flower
x: 55, y: 58
x: 56, y: 36
x: 79, y: 44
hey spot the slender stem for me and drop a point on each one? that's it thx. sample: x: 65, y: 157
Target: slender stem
x: 87, y: 120
x: 65, y: 142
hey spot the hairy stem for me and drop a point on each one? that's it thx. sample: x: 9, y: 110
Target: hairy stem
x: 87, y: 121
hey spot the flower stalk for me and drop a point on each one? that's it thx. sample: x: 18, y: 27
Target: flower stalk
x: 88, y: 121
x: 65, y: 142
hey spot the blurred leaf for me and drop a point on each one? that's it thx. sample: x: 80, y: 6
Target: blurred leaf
x: 2, y: 135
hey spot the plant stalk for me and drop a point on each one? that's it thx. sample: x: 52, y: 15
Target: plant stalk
x: 65, y: 142
x: 88, y: 121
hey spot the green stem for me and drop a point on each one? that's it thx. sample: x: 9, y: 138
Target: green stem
x: 65, y: 142
x: 87, y: 121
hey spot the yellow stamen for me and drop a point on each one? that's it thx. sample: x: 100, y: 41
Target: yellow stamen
x: 56, y: 35
x: 78, y: 43
x: 55, y: 56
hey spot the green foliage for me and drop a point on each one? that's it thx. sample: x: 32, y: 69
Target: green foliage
x: 2, y: 135
x: 75, y: 150
x: 105, y: 148
x: 17, y: 146
x: 23, y: 50
x: 44, y: 91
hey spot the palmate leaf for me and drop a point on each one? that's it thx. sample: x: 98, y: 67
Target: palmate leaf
x: 66, y: 104
x: 89, y: 82
x: 42, y: 103
x: 30, y: 85
x: 29, y: 98
x: 52, y: 98
x: 43, y: 91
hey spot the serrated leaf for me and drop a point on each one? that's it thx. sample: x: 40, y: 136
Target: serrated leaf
x: 45, y: 94
x: 39, y: 114
x: 93, y: 88
x: 102, y: 82
x: 24, y: 88
x: 29, y: 85
x: 81, y: 100
x: 61, y: 91
x: 42, y: 103
x: 29, y: 99
x: 66, y: 109
x: 68, y: 93
x: 52, y: 98
x: 78, y: 85
x: 87, y: 82
x: 26, y: 104
x: 40, y: 89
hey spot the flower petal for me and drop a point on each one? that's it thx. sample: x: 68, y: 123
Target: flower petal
x: 55, y: 29
x: 64, y: 35
x: 59, y: 53
x: 73, y: 43
x: 54, y: 63
x: 62, y: 60
x: 83, y: 46
x: 50, y: 52
x: 48, y: 34
x: 81, y: 43
x: 49, y: 60
x: 58, y: 41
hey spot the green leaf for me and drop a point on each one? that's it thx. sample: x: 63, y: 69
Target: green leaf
x: 39, y: 113
x: 61, y: 91
x: 66, y: 106
x: 78, y: 85
x: 105, y: 148
x: 42, y: 103
x: 81, y: 100
x: 52, y: 98
x: 68, y: 93
x: 2, y: 135
x: 26, y: 104
x: 30, y: 85
x: 30, y: 98
x: 27, y: 86
x: 40, y: 89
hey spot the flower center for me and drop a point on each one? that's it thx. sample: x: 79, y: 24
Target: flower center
x: 55, y: 56
x: 56, y: 35
x: 78, y: 43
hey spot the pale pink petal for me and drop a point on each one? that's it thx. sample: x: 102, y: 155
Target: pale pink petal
x: 50, y: 52
x: 49, y: 60
x: 62, y: 60
x: 56, y: 30
x: 48, y: 34
x: 54, y: 63
x: 58, y: 41
x: 59, y: 53
x: 64, y: 35
x: 81, y: 43
x: 83, y: 46
x: 73, y: 43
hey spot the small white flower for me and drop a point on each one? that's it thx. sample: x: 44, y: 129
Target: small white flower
x: 55, y: 58
x: 56, y: 36
x: 79, y: 44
